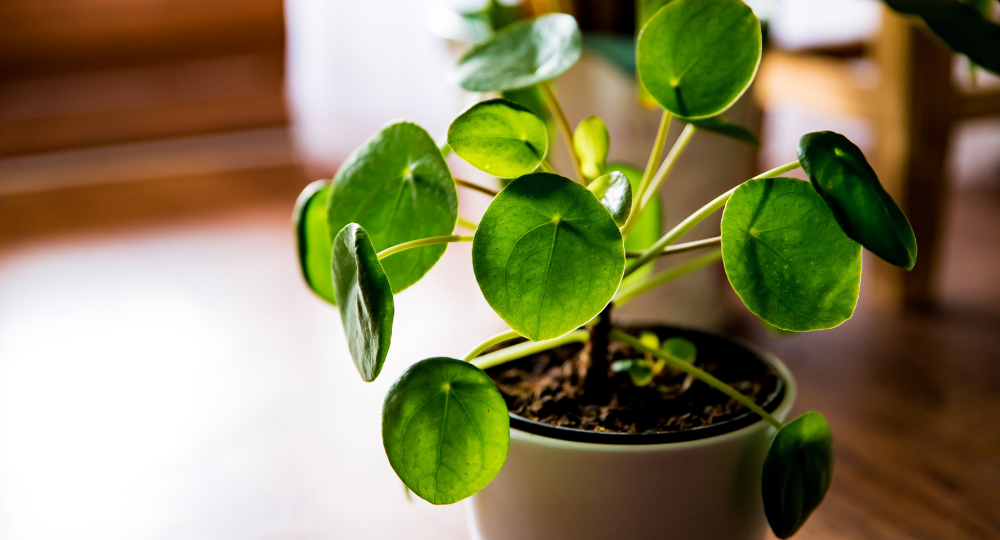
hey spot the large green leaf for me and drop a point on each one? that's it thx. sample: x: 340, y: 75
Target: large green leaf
x: 718, y: 124
x: 591, y: 142
x: 398, y: 187
x: 959, y: 25
x: 797, y: 472
x: 364, y: 298
x: 787, y: 258
x: 696, y: 57
x: 547, y: 255
x: 499, y: 137
x: 615, y: 193
x: 648, y: 227
x: 312, y: 239
x: 445, y: 429
x: 522, y: 54
x: 842, y: 176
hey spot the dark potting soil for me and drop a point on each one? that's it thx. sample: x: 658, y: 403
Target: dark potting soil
x: 548, y: 387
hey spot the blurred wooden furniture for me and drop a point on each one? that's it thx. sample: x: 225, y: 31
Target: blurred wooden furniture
x: 914, y: 106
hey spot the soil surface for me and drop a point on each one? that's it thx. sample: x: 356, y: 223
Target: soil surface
x: 548, y: 387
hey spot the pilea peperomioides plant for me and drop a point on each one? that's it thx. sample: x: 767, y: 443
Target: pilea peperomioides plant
x: 553, y: 255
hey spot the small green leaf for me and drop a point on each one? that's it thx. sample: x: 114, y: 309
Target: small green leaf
x: 960, y: 26
x: 648, y: 226
x: 499, y: 137
x: 591, y: 141
x: 522, y: 54
x: 445, y: 429
x: 615, y: 193
x: 638, y: 370
x: 398, y: 187
x: 312, y: 239
x: 650, y: 340
x: 696, y: 58
x: 718, y: 124
x: 842, y: 176
x: 548, y: 257
x: 364, y: 298
x: 680, y: 348
x: 797, y: 472
x: 787, y: 258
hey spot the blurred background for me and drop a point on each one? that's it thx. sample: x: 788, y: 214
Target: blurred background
x: 164, y: 372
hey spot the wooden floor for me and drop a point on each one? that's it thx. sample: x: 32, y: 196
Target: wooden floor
x: 174, y: 379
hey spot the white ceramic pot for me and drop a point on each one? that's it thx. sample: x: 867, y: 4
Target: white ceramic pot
x: 706, y: 488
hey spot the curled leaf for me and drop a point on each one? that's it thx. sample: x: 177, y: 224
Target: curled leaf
x: 797, y: 472
x: 313, y: 240
x: 591, y: 142
x: 615, y: 193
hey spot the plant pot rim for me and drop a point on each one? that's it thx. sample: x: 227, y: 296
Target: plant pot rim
x: 778, y: 404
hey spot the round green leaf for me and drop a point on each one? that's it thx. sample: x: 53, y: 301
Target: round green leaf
x: 797, y: 472
x: 681, y: 348
x: 445, y: 429
x: 312, y: 239
x: 648, y: 226
x: 590, y: 142
x: 615, y: 193
x: 547, y: 255
x: 842, y: 176
x: 364, y: 298
x: 520, y: 55
x: 696, y: 57
x: 398, y: 187
x: 719, y: 125
x: 787, y: 258
x: 499, y: 137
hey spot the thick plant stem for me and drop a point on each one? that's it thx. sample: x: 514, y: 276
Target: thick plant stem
x: 567, y: 132
x: 697, y: 373
x: 595, y: 387
x: 683, y: 227
x: 647, y: 175
x: 521, y: 350
x: 625, y: 295
x: 499, y: 338
x: 680, y: 248
x: 420, y: 242
x: 476, y: 187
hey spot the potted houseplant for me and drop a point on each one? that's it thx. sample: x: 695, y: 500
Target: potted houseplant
x: 607, y: 430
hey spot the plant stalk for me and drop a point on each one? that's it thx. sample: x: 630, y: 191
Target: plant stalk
x: 515, y: 352
x: 625, y: 295
x: 647, y: 175
x: 420, y: 242
x: 567, y: 132
x: 681, y: 248
x: 476, y: 187
x: 467, y: 223
x: 697, y: 373
x: 596, y: 387
x: 667, y: 166
x: 499, y: 338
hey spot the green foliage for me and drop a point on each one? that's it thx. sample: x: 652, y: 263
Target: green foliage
x: 648, y: 226
x: 398, y: 187
x: 615, y: 193
x: 681, y: 348
x: 312, y: 239
x: 787, y: 258
x: 797, y: 472
x: 547, y: 255
x: 638, y: 369
x: 718, y: 124
x: 445, y: 429
x: 696, y: 58
x: 499, y: 137
x: 591, y: 142
x: 523, y: 54
x: 364, y: 298
x: 842, y: 176
x: 959, y: 25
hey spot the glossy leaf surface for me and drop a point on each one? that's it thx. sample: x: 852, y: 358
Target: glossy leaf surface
x: 696, y: 58
x: 719, y: 125
x: 797, y: 472
x: 787, y: 258
x: 960, y: 25
x: 522, y: 54
x: 499, y: 137
x: 364, y: 298
x: 842, y: 176
x: 615, y: 193
x: 648, y: 226
x: 445, y: 429
x: 547, y: 255
x: 398, y: 187
x: 591, y: 142
x: 313, y: 239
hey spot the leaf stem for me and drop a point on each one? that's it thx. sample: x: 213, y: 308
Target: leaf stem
x: 475, y: 187
x: 681, y: 248
x: 697, y: 373
x: 521, y: 350
x: 467, y: 224
x: 683, y: 227
x: 499, y: 338
x: 547, y: 167
x: 560, y: 117
x: 626, y: 294
x: 668, y: 165
x: 647, y: 176
x: 420, y: 242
